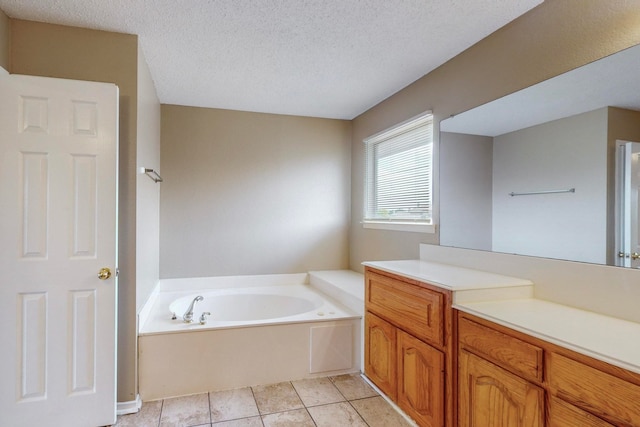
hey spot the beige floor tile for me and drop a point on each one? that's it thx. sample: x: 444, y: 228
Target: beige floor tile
x: 232, y: 404
x: 336, y: 414
x: 244, y: 422
x: 276, y: 398
x: 352, y: 386
x: 296, y: 418
x: 185, y: 411
x: 378, y: 413
x: 149, y: 415
x: 317, y: 391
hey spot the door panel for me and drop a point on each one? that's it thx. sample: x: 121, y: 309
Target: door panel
x: 490, y: 396
x: 628, y: 204
x: 380, y: 354
x: 58, y: 205
x: 420, y: 381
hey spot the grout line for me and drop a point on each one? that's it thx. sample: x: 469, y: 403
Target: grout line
x: 161, y: 409
x: 352, y: 400
x: 336, y: 387
x: 358, y: 412
x: 304, y: 405
x: 256, y: 403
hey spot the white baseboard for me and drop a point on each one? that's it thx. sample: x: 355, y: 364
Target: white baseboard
x: 131, y: 407
x: 389, y: 401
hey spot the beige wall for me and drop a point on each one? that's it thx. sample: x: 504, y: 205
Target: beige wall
x: 74, y: 53
x: 554, y: 37
x: 251, y: 193
x: 148, y: 192
x: 5, y: 41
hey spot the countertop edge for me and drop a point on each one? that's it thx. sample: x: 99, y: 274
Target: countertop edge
x: 531, y: 330
x: 459, y: 278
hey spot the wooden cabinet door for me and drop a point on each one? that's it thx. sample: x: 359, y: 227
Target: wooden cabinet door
x: 490, y: 396
x: 380, y: 354
x: 563, y: 414
x: 420, y: 381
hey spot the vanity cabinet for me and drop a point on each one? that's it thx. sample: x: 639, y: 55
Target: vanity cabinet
x: 408, y: 345
x: 606, y: 395
x: 499, y: 379
x: 510, y: 378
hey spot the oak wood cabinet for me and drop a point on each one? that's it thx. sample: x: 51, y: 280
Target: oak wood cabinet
x: 492, y: 396
x: 409, y: 346
x: 507, y: 378
x: 380, y: 355
x: 420, y: 380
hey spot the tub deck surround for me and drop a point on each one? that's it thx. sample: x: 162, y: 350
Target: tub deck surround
x: 321, y: 308
x: 345, y: 286
x: 324, y: 306
x: 510, y: 302
x: 321, y: 337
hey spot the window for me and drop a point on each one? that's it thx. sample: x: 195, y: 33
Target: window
x: 398, y: 177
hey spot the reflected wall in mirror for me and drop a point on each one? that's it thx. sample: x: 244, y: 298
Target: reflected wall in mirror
x: 534, y: 173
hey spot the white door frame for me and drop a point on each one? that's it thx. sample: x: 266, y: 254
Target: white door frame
x: 626, y: 212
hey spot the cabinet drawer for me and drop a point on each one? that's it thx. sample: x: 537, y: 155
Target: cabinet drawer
x: 415, y: 309
x: 602, y: 394
x: 507, y: 351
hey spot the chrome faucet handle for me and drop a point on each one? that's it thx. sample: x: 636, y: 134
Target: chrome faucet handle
x: 203, y: 317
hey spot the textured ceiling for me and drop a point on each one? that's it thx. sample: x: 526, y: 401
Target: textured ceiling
x: 322, y: 58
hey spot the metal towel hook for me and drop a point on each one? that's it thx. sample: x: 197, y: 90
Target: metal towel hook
x: 155, y: 176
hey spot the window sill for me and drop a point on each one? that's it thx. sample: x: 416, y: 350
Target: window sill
x: 400, y: 226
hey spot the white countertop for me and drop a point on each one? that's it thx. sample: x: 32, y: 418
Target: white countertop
x: 602, y: 337
x: 447, y: 276
x: 492, y: 297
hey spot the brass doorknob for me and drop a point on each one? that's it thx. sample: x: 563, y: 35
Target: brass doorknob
x: 104, y: 273
x: 635, y: 255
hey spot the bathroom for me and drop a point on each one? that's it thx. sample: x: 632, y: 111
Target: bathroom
x: 197, y: 222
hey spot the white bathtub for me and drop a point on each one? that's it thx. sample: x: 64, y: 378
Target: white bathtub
x: 257, y: 333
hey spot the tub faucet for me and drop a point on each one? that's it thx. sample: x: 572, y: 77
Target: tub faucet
x: 188, y: 315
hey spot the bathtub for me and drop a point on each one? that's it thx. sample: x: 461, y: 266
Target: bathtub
x: 261, y: 330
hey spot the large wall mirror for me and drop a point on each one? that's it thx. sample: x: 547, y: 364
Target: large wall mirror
x: 551, y: 170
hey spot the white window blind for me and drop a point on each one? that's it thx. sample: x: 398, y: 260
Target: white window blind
x: 398, y: 173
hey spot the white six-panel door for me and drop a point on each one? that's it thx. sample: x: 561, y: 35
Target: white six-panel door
x: 633, y: 211
x: 58, y: 205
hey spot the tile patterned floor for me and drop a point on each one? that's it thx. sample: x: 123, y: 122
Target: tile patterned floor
x: 343, y: 400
